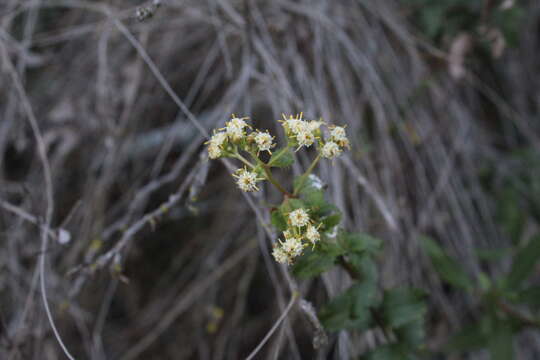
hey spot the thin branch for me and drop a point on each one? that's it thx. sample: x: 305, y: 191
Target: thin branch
x: 294, y: 297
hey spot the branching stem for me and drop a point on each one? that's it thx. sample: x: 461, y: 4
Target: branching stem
x: 306, y: 174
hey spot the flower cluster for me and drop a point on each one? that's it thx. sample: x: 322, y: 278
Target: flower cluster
x: 247, y: 180
x: 300, y: 231
x: 238, y: 137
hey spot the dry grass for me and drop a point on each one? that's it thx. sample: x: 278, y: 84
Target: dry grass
x: 93, y: 141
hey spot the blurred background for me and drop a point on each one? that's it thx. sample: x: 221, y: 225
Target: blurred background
x: 153, y: 253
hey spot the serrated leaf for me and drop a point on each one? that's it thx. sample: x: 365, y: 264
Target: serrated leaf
x: 278, y: 220
x: 281, y: 158
x: 313, y: 263
x: 447, y: 267
x: 350, y: 309
x: 402, y: 306
x: 413, y: 333
x: 364, y: 266
x: 524, y: 262
x: 359, y: 242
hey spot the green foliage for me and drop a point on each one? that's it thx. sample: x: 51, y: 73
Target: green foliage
x: 281, y: 158
x: 524, y: 262
x: 278, y: 220
x: 403, y: 306
x: 446, y: 266
x: 444, y: 19
x: 351, y: 309
x: 500, y: 341
x: 510, y: 214
x: 315, y: 262
x: 391, y: 352
x: 500, y: 319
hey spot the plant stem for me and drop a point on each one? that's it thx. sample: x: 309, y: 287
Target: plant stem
x: 517, y: 315
x: 268, y: 172
x: 243, y: 159
x: 274, y: 182
x: 306, y: 174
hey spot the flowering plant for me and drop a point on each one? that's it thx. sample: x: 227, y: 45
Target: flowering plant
x: 312, y: 240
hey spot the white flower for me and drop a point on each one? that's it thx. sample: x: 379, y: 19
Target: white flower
x: 215, y: 144
x: 235, y: 128
x: 293, y: 246
x: 330, y: 150
x: 314, y: 125
x: 305, y: 138
x: 246, y: 180
x: 299, y: 217
x: 294, y: 125
x: 338, y: 133
x: 214, y: 151
x: 264, y: 141
x: 287, y: 234
x: 238, y: 122
x: 280, y: 255
x: 312, y: 234
x: 218, y: 139
x: 339, y: 136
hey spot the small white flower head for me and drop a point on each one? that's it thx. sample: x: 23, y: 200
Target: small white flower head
x: 246, y: 180
x: 312, y: 234
x: 264, y: 141
x: 330, y: 150
x: 287, y: 234
x: 215, y: 145
x: 299, y: 218
x: 293, y: 125
x: 214, y: 151
x: 235, y: 128
x: 314, y: 125
x: 293, y: 246
x: 305, y: 138
x: 298, y: 126
x: 218, y: 139
x: 339, y: 136
x: 280, y: 255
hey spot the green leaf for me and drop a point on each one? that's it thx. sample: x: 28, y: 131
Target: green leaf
x: 470, y: 337
x: 403, y: 306
x: 391, y: 352
x: 330, y: 221
x: 350, y: 309
x: 500, y: 342
x: 313, y: 263
x: 292, y: 204
x: 493, y: 254
x: 447, y: 267
x: 510, y: 213
x: 278, y: 220
x: 359, y: 242
x: 281, y: 158
x: 364, y: 265
x: 413, y: 333
x: 316, y: 261
x: 524, y: 262
x: 530, y: 297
